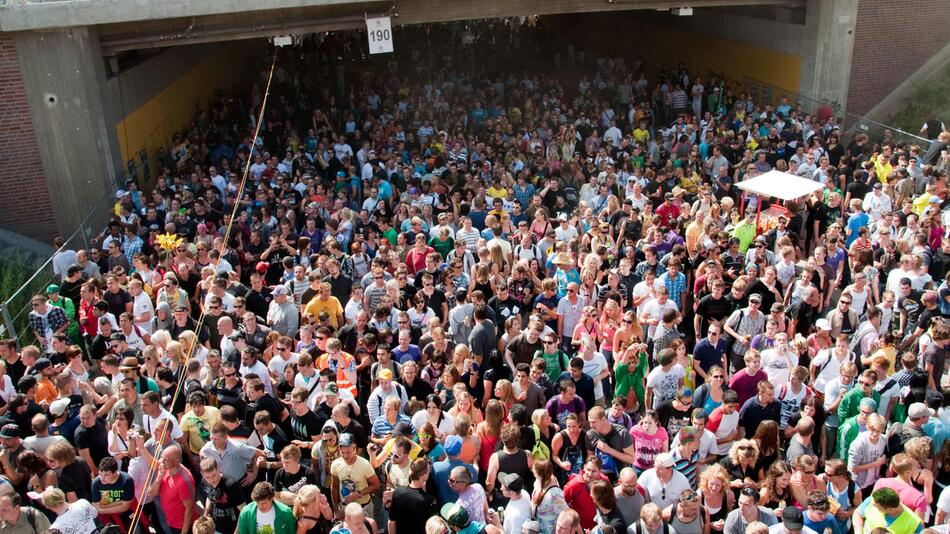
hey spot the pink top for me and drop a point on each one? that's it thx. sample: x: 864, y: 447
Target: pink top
x: 910, y: 496
x: 646, y: 447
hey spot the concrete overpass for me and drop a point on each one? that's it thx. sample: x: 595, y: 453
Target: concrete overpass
x: 89, y: 86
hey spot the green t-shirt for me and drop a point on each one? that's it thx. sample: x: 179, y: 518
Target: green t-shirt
x: 555, y: 364
x: 625, y: 378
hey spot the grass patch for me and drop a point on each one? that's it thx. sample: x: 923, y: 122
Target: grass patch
x: 925, y: 100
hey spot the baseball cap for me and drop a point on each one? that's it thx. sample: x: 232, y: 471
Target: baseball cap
x: 823, y: 324
x: 777, y: 307
x: 52, y: 288
x: 453, y: 445
x: 755, y: 297
x: 117, y: 336
x: 531, y: 527
x: 331, y: 389
x: 792, y: 518
x: 511, y: 481
x: 346, y: 440
x: 278, y: 290
x: 58, y: 407
x: 41, y: 364
x: 385, y: 374
x: 664, y: 460
x: 262, y: 267
x: 455, y: 515
x: 10, y: 430
x: 918, y: 410
x: 868, y: 403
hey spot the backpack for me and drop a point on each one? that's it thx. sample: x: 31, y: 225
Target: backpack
x: 540, y: 451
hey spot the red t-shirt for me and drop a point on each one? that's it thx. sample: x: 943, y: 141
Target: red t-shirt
x: 577, y: 496
x: 174, y: 491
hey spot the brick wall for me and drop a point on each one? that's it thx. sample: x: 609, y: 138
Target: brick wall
x: 893, y: 38
x: 25, y: 205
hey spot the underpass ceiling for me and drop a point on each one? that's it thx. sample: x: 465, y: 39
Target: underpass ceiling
x: 202, y: 22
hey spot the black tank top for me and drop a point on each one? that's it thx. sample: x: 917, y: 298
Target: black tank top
x: 572, y: 452
x: 516, y: 463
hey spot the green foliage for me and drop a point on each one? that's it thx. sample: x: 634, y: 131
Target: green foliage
x: 16, y: 267
x: 929, y: 98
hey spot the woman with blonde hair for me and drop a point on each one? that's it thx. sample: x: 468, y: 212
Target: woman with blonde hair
x: 505, y: 393
x: 73, y: 517
x: 312, y: 510
x: 741, y: 465
x: 919, y: 449
x: 175, y: 357
x: 187, y: 340
x: 587, y: 327
x: 715, y: 495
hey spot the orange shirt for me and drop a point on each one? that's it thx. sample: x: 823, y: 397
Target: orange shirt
x: 45, y: 391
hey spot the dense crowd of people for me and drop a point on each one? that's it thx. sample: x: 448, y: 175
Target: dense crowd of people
x: 467, y: 304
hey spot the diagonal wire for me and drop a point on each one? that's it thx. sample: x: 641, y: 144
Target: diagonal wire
x: 234, y: 211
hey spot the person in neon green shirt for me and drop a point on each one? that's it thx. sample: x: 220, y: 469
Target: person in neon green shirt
x: 744, y: 231
x: 883, y: 509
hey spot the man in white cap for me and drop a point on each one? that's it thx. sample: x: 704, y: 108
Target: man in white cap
x: 663, y: 483
x: 283, y: 316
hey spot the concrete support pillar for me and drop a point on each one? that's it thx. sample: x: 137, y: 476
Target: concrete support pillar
x: 830, y: 26
x: 63, y: 72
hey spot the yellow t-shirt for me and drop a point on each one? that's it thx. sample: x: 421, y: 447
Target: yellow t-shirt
x: 641, y: 136
x: 198, y: 429
x: 331, y: 305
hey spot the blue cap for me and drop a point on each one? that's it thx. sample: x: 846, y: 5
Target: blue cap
x: 453, y: 445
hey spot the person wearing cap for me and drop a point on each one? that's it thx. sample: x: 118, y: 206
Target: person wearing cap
x: 918, y: 415
x: 663, y: 482
x: 54, y: 298
x: 883, y: 510
x: 63, y: 423
x: 282, y: 315
x: 441, y: 470
x: 459, y: 521
x: 792, y: 523
x: 352, y: 477
x: 387, y: 388
x: 12, y: 443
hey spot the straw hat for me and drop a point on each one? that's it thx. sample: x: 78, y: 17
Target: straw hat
x: 562, y: 258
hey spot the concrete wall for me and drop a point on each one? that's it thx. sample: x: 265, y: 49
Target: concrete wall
x: 62, y: 72
x: 893, y: 39
x: 24, y: 197
x: 152, y: 101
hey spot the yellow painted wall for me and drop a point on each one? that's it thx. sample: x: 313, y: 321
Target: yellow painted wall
x: 156, y: 121
x: 651, y: 36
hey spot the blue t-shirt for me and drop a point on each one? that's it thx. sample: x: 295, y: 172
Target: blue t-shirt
x: 855, y: 222
x: 402, y: 356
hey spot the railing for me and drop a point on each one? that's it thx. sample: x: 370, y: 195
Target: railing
x: 15, y: 308
x: 763, y: 93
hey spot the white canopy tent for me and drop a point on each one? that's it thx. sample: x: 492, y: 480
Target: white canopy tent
x: 780, y: 185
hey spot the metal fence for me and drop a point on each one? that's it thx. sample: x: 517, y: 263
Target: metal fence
x: 15, y: 308
x: 763, y: 93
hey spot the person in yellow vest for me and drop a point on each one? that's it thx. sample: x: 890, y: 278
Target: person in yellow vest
x: 883, y: 509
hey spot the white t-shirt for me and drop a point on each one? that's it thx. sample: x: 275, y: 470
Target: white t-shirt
x: 776, y: 365
x: 728, y: 424
x: 265, y: 521
x: 565, y: 234
x: 142, y: 305
x: 260, y: 370
x: 594, y: 367
x: 791, y: 402
x: 516, y: 513
x: 446, y: 426
x: 278, y: 364
x: 707, y: 443
x: 651, y: 483
x: 79, y: 518
x: 150, y: 423
x: 655, y: 310
x: 665, y: 383
x: 829, y: 369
